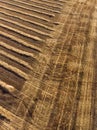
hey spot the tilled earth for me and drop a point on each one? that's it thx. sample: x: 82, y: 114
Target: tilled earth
x: 48, y: 65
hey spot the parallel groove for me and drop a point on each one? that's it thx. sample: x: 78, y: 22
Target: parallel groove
x: 14, y: 69
x: 29, y: 9
x: 28, y: 6
x: 16, y: 50
x: 23, y: 63
x: 38, y: 23
x: 26, y: 23
x: 46, y: 49
x: 25, y: 17
x: 46, y: 3
x: 27, y: 13
x: 39, y: 5
x: 10, y: 62
x: 20, y: 28
x: 15, y: 36
x: 28, y: 20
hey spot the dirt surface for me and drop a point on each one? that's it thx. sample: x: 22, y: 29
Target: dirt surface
x: 48, y: 65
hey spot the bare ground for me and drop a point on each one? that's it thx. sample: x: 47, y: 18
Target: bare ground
x: 48, y: 64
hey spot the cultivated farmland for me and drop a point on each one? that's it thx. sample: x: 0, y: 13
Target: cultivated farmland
x: 48, y: 64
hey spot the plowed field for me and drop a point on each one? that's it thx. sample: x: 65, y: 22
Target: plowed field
x: 48, y: 64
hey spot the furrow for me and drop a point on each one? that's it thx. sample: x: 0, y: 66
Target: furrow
x: 21, y: 30
x: 15, y: 59
x: 40, y: 5
x: 52, y: 2
x: 14, y: 69
x: 28, y: 8
x: 25, y: 18
x: 39, y: 15
x: 20, y: 39
x: 38, y: 32
x: 16, y: 50
x: 6, y: 86
x: 26, y: 24
x: 46, y: 4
